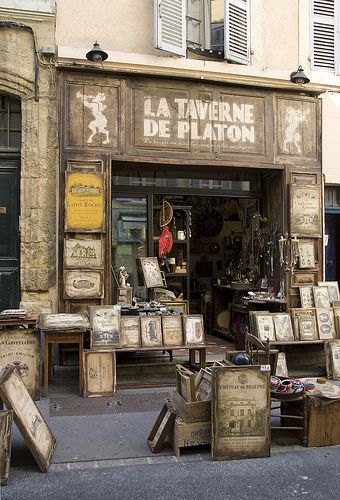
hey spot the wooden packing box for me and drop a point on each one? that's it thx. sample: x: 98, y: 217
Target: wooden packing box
x: 323, y: 416
x: 197, y: 411
x: 190, y: 434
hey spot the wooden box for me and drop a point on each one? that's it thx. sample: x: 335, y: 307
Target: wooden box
x: 197, y: 411
x: 190, y: 434
x: 323, y: 416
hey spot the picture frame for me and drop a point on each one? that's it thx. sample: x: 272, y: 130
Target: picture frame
x: 306, y: 296
x: 321, y: 297
x: 63, y: 321
x: 325, y: 322
x: 193, y: 329
x: 332, y: 348
x: 172, y: 329
x: 83, y: 284
x: 152, y: 274
x: 306, y: 210
x: 151, y: 331
x: 99, y: 370
x: 281, y: 369
x: 6, y: 421
x: 203, y: 387
x: 265, y: 327
x: 306, y: 255
x: 295, y: 313
x: 161, y: 428
x: 105, y: 326
x: 130, y: 331
x: 333, y: 290
x: 178, y: 306
x: 307, y: 328
x: 185, y: 383
x: 83, y: 253
x: 28, y: 418
x: 283, y: 327
x: 336, y: 312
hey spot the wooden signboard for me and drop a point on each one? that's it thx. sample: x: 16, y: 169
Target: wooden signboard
x: 305, y: 210
x: 87, y: 254
x: 193, y: 329
x: 172, y: 330
x: 28, y: 418
x: 63, y: 321
x: 130, y: 330
x: 332, y: 350
x: 240, y: 413
x: 83, y: 284
x: 99, y: 373
x: 162, y: 427
x: 283, y: 327
x: 105, y: 327
x: 6, y: 419
x: 325, y: 322
x: 151, y: 331
x: 20, y: 348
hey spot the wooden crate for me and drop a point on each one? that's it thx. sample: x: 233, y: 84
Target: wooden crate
x: 323, y: 416
x: 197, y: 411
x: 190, y: 434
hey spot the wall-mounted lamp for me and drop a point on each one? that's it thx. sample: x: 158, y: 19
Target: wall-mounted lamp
x: 96, y: 54
x: 299, y: 76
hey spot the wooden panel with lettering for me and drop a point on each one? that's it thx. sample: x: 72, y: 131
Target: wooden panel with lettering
x: 305, y: 210
x: 83, y: 253
x: 83, y: 284
x: 99, y: 373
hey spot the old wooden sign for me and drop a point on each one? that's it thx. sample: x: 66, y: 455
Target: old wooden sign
x: 105, y: 326
x: 6, y: 418
x: 86, y: 254
x: 83, y: 284
x: 305, y: 210
x: 99, y: 373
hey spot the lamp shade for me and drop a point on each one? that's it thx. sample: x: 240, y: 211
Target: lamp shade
x: 299, y: 76
x: 96, y: 54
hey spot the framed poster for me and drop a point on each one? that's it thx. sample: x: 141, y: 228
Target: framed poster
x: 84, y: 202
x: 307, y: 328
x: 333, y: 359
x: 151, y: 331
x: 265, y: 327
x: 283, y: 327
x: 99, y: 373
x: 82, y: 284
x: 179, y: 306
x: 203, y: 388
x: 6, y: 419
x: 193, y: 329
x: 172, y: 330
x: 305, y: 210
x: 333, y: 290
x: 296, y: 312
x: 63, y: 321
x: 130, y: 331
x: 321, y: 297
x: 306, y: 255
x: 105, y: 327
x: 306, y: 296
x: 87, y: 254
x: 185, y: 383
x: 20, y: 348
x: 325, y: 322
x: 153, y: 276
x: 28, y: 418
x: 240, y: 413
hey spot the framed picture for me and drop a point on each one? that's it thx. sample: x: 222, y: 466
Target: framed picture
x: 193, y: 329
x: 130, y: 331
x: 332, y: 348
x: 172, y: 330
x: 281, y: 369
x: 86, y: 254
x: 6, y: 419
x: 203, y: 387
x: 307, y: 328
x: 163, y: 425
x: 30, y: 422
x: 321, y: 297
x: 336, y: 312
x: 151, y: 331
x: 105, y: 327
x: 63, y: 321
x: 99, y: 373
x: 305, y: 210
x: 325, y: 322
x: 283, y: 327
x: 306, y: 254
x: 179, y: 306
x: 185, y: 383
x: 306, y: 296
x: 83, y: 284
x: 153, y: 276
x: 265, y: 327
x: 333, y: 290
x: 295, y: 313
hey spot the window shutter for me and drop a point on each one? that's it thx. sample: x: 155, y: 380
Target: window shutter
x: 170, y: 26
x: 323, y: 34
x: 237, y: 31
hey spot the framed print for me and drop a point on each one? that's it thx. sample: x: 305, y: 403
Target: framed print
x: 307, y: 328
x: 295, y: 313
x: 162, y: 427
x: 99, y: 373
x: 105, y: 327
x: 333, y: 290
x: 153, y: 276
x: 83, y: 284
x: 325, y: 322
x: 6, y: 419
x: 87, y: 254
x: 306, y: 254
x: 151, y: 331
x: 305, y: 210
x: 63, y: 321
x: 336, y: 312
x: 193, y: 329
x: 332, y: 348
x: 283, y: 327
x: 185, y: 383
x: 281, y: 369
x: 179, y: 306
x: 265, y: 327
x: 306, y: 296
x: 321, y: 297
x: 203, y: 387
x: 84, y: 202
x: 130, y: 331
x: 172, y: 330
x: 30, y: 422
x: 240, y: 413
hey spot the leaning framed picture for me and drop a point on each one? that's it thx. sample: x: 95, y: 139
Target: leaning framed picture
x: 99, y: 373
x: 332, y: 348
x: 296, y: 312
x: 307, y: 328
x: 152, y: 274
x: 151, y: 331
x: 203, y: 386
x: 306, y: 296
x: 130, y: 331
x: 185, y: 383
x: 172, y: 330
x: 321, y: 296
x: 193, y: 329
x: 283, y: 327
x: 325, y: 322
x: 333, y: 289
x: 105, y: 327
x: 265, y: 327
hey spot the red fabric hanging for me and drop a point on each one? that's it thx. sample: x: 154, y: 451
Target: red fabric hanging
x: 165, y: 242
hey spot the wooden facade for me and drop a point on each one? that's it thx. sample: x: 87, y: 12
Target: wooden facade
x: 191, y: 124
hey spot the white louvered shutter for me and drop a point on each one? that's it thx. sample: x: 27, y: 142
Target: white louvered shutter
x: 170, y: 26
x: 324, y: 34
x: 237, y: 31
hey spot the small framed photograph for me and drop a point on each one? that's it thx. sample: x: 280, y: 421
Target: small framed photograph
x: 203, y: 385
x: 283, y: 327
x: 105, y: 327
x: 306, y: 296
x: 265, y: 327
x: 172, y: 330
x: 307, y: 328
x: 321, y: 297
x: 333, y: 290
x: 99, y: 373
x: 193, y: 329
x: 153, y: 276
x: 151, y: 331
x: 306, y: 254
x: 325, y: 322
x: 130, y: 331
x: 185, y: 383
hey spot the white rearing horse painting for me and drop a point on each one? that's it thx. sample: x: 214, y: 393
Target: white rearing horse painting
x: 97, y: 106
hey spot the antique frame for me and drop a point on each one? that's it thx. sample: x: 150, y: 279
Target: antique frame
x: 306, y: 296
x: 161, y: 427
x: 63, y: 321
x: 153, y: 276
x: 332, y: 348
x: 296, y: 312
x: 172, y: 330
x: 28, y: 418
x: 130, y: 331
x: 193, y: 329
x: 333, y: 289
x: 305, y: 210
x: 265, y: 327
x: 203, y: 387
x: 99, y: 368
x: 83, y: 284
x: 336, y: 312
x: 321, y: 296
x: 325, y: 322
x: 151, y: 331
x: 283, y: 327
x: 6, y: 420
x: 281, y: 369
x: 307, y: 327
x: 83, y: 253
x: 185, y: 383
x: 180, y: 306
x: 306, y: 255
x: 105, y: 327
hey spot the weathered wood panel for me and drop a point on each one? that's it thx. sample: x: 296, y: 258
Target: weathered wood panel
x: 6, y: 419
x: 99, y: 373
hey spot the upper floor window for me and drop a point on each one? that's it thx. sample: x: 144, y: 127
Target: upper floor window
x: 325, y: 35
x: 214, y: 28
